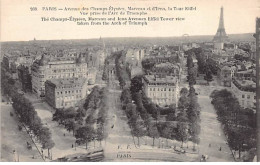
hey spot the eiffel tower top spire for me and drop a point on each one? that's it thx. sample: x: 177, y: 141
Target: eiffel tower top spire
x: 221, y: 35
x: 221, y: 20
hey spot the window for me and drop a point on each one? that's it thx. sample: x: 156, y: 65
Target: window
x: 150, y: 89
x: 153, y: 89
x: 164, y: 89
x: 254, y: 97
x: 248, y: 103
x: 248, y: 96
x: 243, y: 96
x: 169, y: 89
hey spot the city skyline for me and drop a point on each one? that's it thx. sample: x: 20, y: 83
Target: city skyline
x: 14, y: 28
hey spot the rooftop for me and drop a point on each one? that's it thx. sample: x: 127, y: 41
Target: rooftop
x: 155, y: 79
x: 246, y: 71
x: 245, y: 85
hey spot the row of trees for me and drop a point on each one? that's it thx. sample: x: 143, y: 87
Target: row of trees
x: 105, y: 70
x: 8, y: 88
x: 86, y: 128
x: 192, y: 70
x: 193, y: 113
x: 25, y: 78
x: 122, y: 70
x: 109, y: 60
x: 200, y: 56
x: 27, y: 115
x: 181, y: 124
x: 213, y: 65
x: 204, y: 67
x: 188, y: 102
x: 239, y: 124
x: 95, y: 121
x: 25, y: 111
x: 139, y: 119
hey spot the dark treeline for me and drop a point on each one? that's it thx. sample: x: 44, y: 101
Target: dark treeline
x: 122, y: 69
x: 144, y: 116
x: 25, y: 111
x: 25, y: 78
x: 205, y: 66
x: 239, y: 123
x: 81, y: 121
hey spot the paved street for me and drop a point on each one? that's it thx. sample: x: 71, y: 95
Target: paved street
x: 211, y: 131
x: 12, y: 139
x: 119, y: 133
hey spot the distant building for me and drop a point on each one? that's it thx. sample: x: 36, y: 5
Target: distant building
x: 92, y: 76
x: 225, y: 74
x: 66, y: 92
x: 44, y: 69
x: 9, y: 62
x: 245, y: 91
x: 162, y: 91
x: 135, y: 55
x: 221, y: 37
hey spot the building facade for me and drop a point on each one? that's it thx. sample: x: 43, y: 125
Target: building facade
x: 225, y: 74
x: 66, y: 92
x: 162, y: 91
x: 135, y: 54
x: 44, y: 69
x: 245, y: 91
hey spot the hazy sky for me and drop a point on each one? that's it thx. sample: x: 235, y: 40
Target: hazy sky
x: 18, y: 23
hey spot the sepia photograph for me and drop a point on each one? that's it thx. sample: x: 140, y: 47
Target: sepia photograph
x: 130, y: 81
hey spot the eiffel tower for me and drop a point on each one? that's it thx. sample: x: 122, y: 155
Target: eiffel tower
x: 221, y: 35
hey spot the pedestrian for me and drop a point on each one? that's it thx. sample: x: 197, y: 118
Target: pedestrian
x: 220, y: 148
x: 72, y: 146
x: 209, y: 145
x: 64, y: 134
